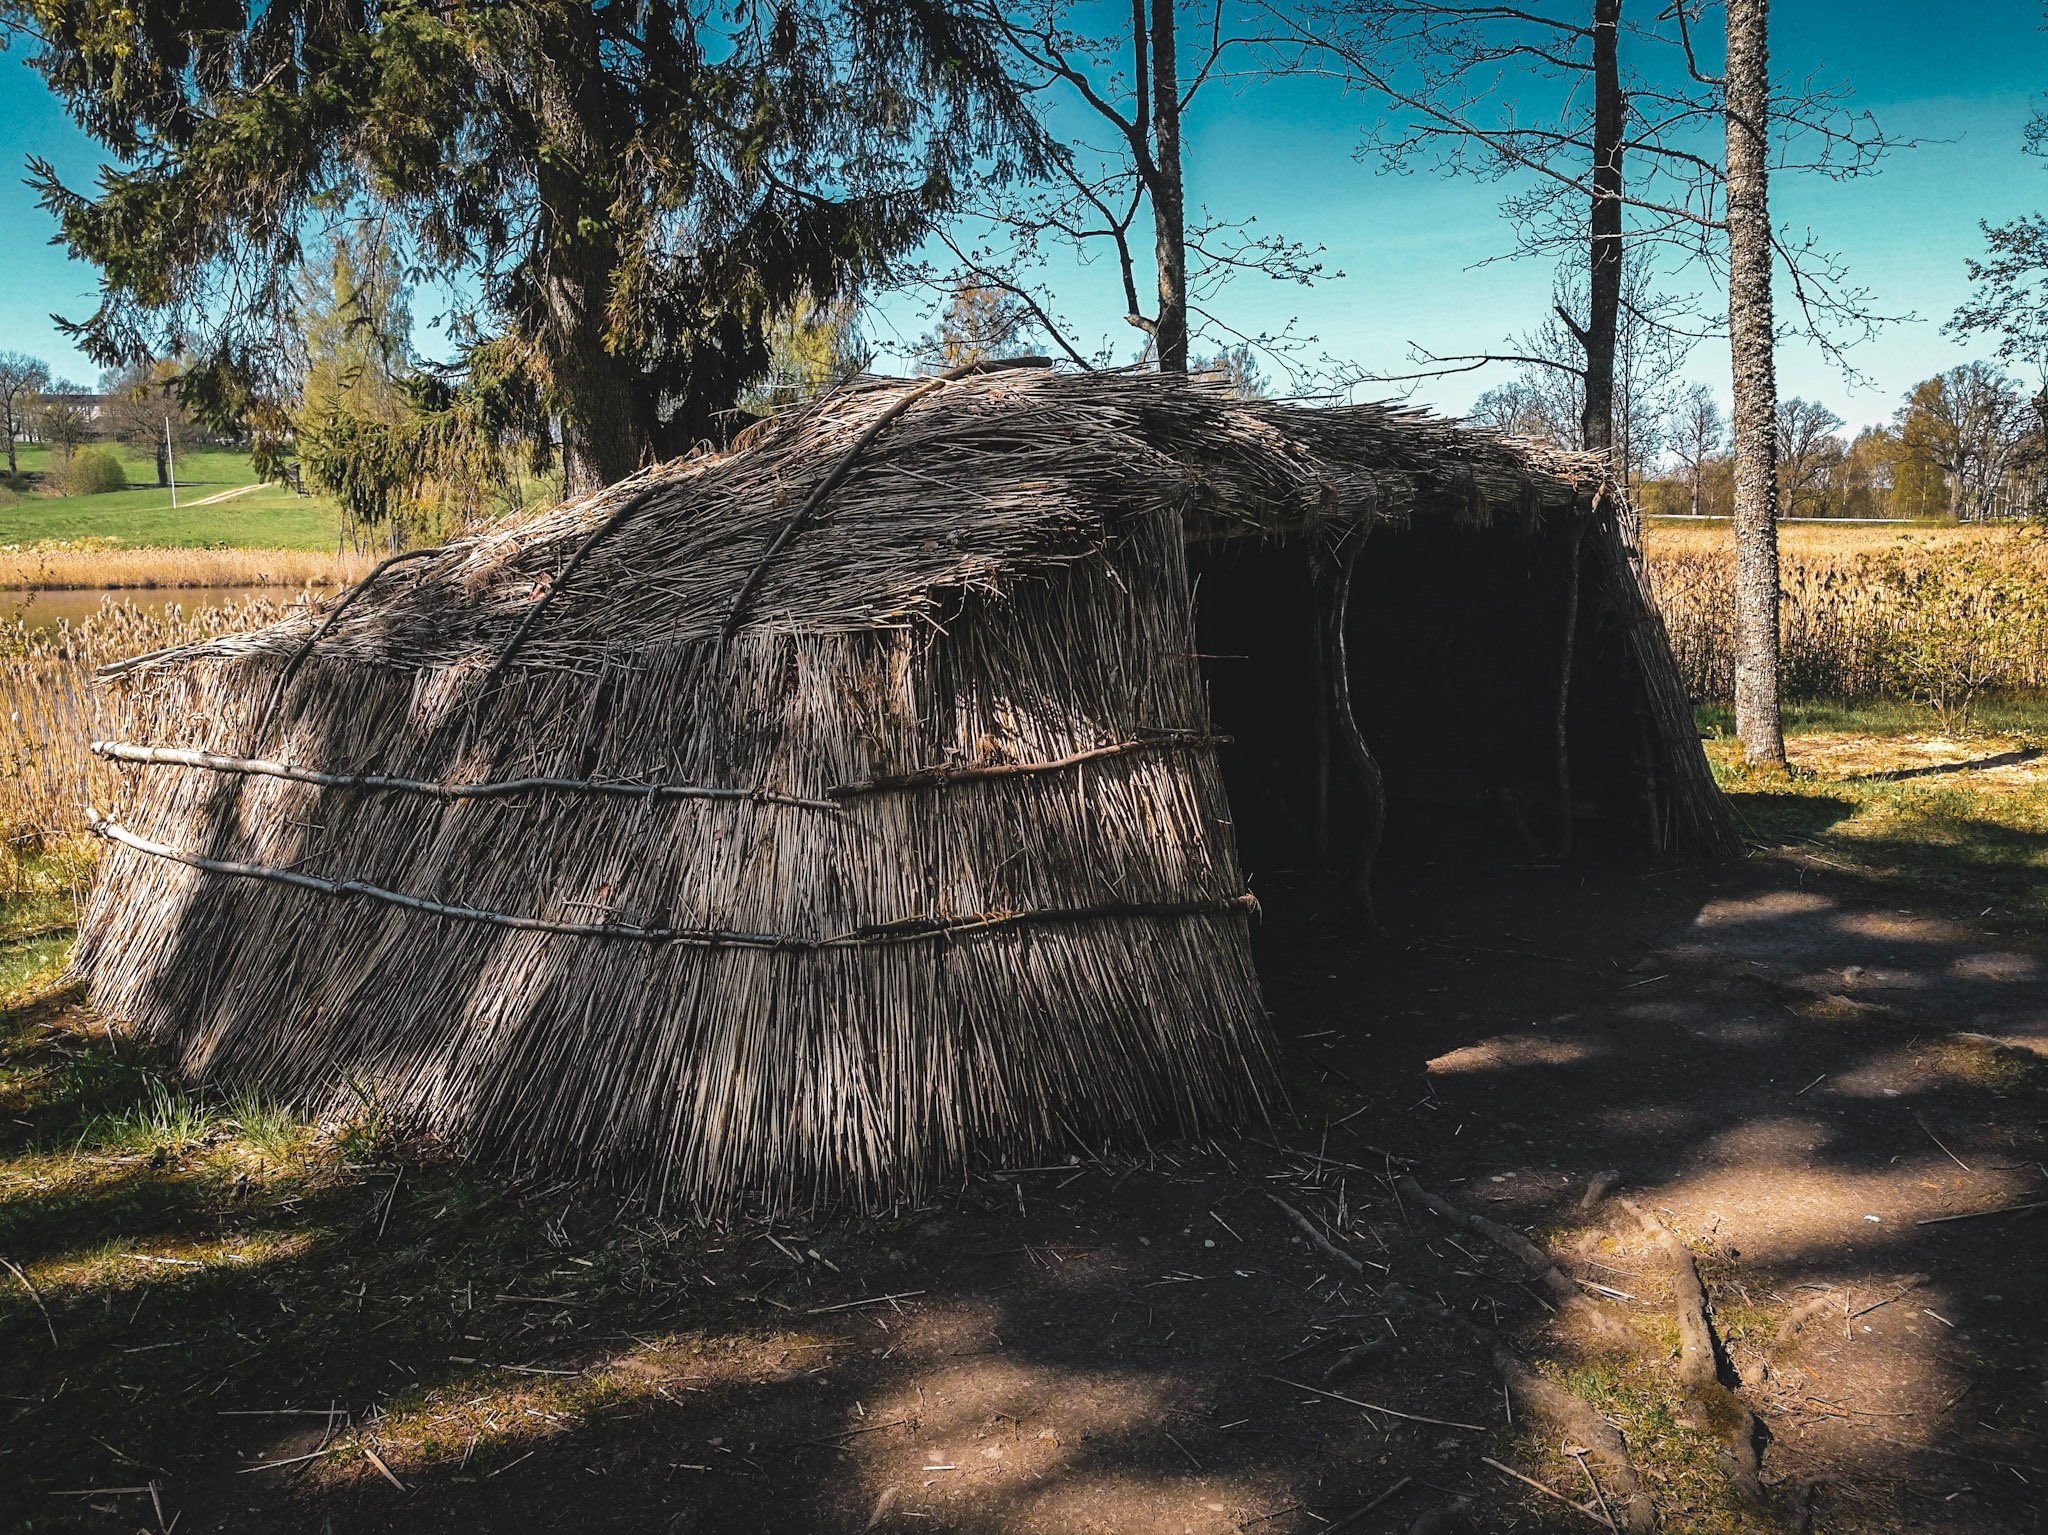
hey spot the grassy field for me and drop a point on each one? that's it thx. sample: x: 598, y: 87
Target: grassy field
x: 1953, y: 822
x: 269, y: 518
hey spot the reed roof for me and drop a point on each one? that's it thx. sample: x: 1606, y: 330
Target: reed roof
x: 982, y: 480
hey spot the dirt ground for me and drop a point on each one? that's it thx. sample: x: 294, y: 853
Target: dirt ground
x: 1799, y: 1079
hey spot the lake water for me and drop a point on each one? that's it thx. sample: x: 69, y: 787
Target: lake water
x: 43, y: 610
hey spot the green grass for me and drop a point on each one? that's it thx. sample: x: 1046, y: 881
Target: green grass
x: 273, y: 518
x: 1961, y: 843
x: 1883, y: 716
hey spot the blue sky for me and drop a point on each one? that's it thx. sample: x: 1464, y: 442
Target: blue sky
x: 1960, y: 78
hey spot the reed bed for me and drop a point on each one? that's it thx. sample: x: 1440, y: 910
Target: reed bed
x: 88, y: 564
x: 50, y: 711
x: 1937, y: 616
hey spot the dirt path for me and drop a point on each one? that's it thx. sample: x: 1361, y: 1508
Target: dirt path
x: 1789, y: 1077
x: 229, y: 495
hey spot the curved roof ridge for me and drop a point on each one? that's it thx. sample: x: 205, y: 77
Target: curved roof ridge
x: 978, y: 482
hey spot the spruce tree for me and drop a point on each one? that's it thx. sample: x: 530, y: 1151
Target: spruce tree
x: 629, y: 194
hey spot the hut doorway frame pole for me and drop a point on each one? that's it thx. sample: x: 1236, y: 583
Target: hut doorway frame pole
x: 1331, y: 569
x: 1561, y: 740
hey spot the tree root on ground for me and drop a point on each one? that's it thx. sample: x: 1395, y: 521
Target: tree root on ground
x: 1703, y: 1371
x: 1563, y: 1291
x: 1566, y: 1413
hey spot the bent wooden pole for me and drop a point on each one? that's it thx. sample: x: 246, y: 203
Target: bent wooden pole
x: 1333, y: 606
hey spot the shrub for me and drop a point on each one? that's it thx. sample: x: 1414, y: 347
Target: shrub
x: 91, y: 471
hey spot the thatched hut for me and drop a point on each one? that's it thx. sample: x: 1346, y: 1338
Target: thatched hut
x: 817, y: 818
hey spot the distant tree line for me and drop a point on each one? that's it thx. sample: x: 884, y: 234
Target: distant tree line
x: 1966, y: 444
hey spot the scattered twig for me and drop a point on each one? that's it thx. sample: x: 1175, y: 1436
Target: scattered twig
x: 872, y: 1300
x: 272, y: 1465
x: 1548, y: 1492
x: 1390, y: 1412
x: 1563, y: 1291
x: 1359, y: 1513
x: 1324, y: 1244
x: 1973, y: 1215
x: 1921, y: 1121
x: 1913, y: 1282
x: 1578, y: 1453
x: 35, y: 1295
x: 383, y: 1470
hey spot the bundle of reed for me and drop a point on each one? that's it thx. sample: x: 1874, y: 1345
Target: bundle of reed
x: 806, y: 822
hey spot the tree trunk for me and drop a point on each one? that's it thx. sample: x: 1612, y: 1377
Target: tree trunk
x: 608, y: 428
x: 1751, y: 351
x: 1695, y: 487
x: 1169, y: 218
x: 163, y: 468
x: 1603, y: 308
x: 609, y: 420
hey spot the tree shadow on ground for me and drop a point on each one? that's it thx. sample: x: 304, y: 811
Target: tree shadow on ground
x: 1767, y: 1055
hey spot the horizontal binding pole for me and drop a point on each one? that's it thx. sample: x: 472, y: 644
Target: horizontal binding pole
x: 934, y: 776
x: 178, y: 756
x: 906, y: 930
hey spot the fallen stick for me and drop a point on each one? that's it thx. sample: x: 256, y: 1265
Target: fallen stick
x: 1352, y: 1401
x: 1359, y: 1513
x: 1548, y: 1492
x: 872, y: 1300
x: 1921, y: 1121
x: 36, y: 1296
x: 382, y: 1469
x: 1329, y: 1248
x: 1913, y: 1282
x: 1976, y: 1215
x: 1357, y: 1357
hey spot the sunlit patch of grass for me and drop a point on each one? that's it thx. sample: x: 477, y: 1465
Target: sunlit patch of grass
x: 265, y: 1125
x: 1674, y: 1449
x: 493, y: 1415
x: 164, y: 1122
x: 1968, y: 841
x: 124, y: 1263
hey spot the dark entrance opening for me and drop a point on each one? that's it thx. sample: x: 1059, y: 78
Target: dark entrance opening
x: 1457, y: 644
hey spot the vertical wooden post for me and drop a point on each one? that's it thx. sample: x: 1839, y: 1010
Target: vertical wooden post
x: 1319, y: 720
x: 1562, y: 725
x: 1334, y: 570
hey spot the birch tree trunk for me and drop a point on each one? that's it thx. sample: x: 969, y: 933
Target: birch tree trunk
x: 1752, y: 354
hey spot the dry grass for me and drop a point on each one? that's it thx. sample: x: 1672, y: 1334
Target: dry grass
x: 1935, y: 615
x: 50, y: 711
x: 91, y: 563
